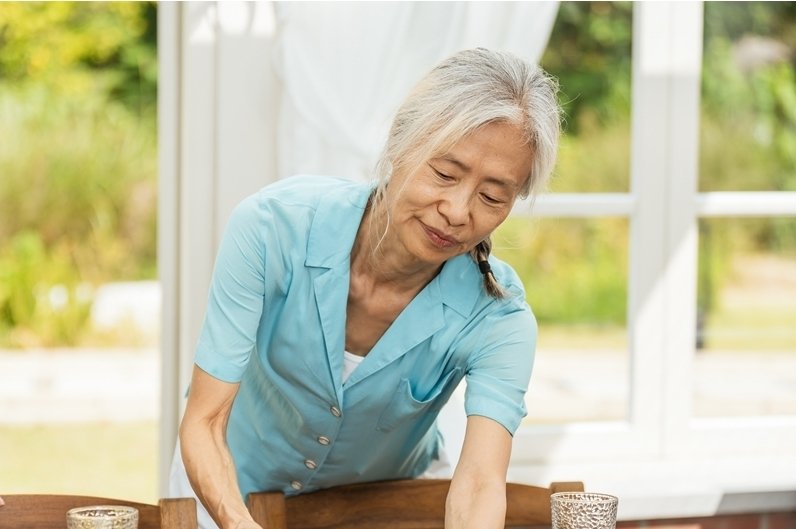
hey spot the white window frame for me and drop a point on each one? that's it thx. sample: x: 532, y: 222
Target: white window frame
x: 661, y: 461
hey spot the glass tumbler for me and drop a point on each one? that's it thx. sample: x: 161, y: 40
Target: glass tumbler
x: 583, y: 510
x: 102, y: 517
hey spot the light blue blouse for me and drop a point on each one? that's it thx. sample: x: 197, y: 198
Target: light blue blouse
x: 275, y: 322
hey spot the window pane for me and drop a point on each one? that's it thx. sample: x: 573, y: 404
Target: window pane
x: 748, y: 121
x: 575, y: 276
x: 589, y: 52
x: 746, y: 357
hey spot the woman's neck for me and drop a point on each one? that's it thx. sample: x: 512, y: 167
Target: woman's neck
x: 379, y: 258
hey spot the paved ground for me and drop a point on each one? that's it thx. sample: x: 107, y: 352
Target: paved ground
x: 79, y: 385
x: 123, y: 385
x: 592, y: 384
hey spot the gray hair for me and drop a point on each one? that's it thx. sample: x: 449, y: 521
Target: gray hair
x: 461, y: 94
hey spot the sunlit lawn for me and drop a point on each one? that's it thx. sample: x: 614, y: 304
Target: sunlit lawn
x: 741, y: 328
x: 602, y: 337
x: 117, y: 460
x: 756, y: 310
x: 752, y: 330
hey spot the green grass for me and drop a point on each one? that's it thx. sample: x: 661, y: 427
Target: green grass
x: 755, y: 307
x: 587, y: 337
x: 117, y: 460
x: 738, y: 329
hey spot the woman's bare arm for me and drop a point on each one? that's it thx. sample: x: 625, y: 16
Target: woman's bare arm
x: 477, y: 497
x: 206, y: 455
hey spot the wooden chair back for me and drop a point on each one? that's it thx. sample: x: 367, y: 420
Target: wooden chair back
x: 48, y: 511
x: 400, y: 504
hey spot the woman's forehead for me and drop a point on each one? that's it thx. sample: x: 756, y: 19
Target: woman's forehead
x: 498, y: 150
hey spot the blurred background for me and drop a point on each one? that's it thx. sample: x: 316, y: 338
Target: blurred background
x: 78, y: 220
x: 79, y: 291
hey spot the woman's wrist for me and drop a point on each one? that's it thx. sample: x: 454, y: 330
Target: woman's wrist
x: 235, y: 516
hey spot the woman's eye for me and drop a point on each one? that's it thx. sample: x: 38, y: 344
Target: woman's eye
x: 442, y: 176
x: 491, y: 200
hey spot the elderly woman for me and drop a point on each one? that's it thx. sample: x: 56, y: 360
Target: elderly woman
x: 342, y: 315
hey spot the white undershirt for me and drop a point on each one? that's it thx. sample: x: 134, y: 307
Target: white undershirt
x: 350, y: 362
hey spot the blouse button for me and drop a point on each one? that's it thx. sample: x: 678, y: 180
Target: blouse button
x: 335, y: 411
x: 310, y: 464
x: 324, y: 440
x: 296, y: 485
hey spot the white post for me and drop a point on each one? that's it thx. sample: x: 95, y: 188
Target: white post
x: 168, y: 228
x: 217, y: 129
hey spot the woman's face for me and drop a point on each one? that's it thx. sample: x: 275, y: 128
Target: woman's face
x: 454, y: 201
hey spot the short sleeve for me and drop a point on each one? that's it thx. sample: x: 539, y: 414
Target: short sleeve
x: 500, y: 370
x: 235, y: 301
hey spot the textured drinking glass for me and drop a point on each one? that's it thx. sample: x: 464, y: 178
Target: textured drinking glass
x: 102, y: 517
x: 583, y: 510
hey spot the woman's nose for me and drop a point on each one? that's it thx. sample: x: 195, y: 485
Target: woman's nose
x: 455, y: 207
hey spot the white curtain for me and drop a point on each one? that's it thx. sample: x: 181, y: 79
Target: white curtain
x: 344, y: 68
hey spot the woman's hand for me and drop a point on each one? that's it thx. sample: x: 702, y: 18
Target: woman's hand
x: 208, y: 462
x: 477, y: 497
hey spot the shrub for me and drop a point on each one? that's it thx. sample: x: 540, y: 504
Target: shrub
x: 78, y: 190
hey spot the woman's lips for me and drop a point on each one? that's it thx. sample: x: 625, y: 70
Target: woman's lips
x: 439, y: 239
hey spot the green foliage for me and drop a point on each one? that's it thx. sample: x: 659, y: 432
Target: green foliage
x: 90, y: 165
x: 749, y: 97
x: 80, y: 174
x: 597, y: 160
x: 574, y: 270
x: 78, y: 155
x: 748, y: 129
x: 78, y: 161
x: 589, y: 52
x: 734, y: 20
x: 40, y: 300
x: 69, y: 46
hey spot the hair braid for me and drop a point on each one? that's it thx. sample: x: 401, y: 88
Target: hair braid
x: 480, y: 255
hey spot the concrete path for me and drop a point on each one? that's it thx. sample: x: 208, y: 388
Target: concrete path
x: 68, y: 385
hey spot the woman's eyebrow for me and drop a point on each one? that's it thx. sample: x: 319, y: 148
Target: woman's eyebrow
x: 466, y: 168
x: 460, y: 164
